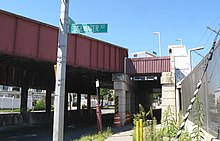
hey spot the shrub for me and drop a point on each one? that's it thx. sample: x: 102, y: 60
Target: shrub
x: 197, y: 133
x: 167, y: 130
x: 141, y: 115
x: 40, y: 105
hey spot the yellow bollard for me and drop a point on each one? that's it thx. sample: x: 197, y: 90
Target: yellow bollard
x: 141, y: 130
x: 137, y: 130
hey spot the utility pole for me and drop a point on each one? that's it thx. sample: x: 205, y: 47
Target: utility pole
x: 58, y: 125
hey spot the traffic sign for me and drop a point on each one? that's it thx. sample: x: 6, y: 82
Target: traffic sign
x: 84, y: 28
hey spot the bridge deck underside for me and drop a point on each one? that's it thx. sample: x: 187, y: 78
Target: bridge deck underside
x: 41, y: 75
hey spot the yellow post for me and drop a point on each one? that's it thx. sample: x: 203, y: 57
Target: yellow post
x: 141, y: 130
x: 137, y: 130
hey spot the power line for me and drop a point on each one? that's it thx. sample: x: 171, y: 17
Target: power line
x: 197, y: 58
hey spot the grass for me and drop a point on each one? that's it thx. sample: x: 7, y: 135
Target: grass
x: 108, y: 107
x: 10, y: 110
x: 100, y: 136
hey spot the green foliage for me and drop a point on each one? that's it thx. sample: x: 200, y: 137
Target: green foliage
x: 151, y: 133
x: 100, y: 136
x: 104, y: 94
x: 197, y: 133
x: 103, y: 91
x: 169, y: 124
x: 141, y: 115
x: 10, y: 110
x: 16, y: 110
x: 167, y: 130
x: 40, y: 105
x: 185, y: 134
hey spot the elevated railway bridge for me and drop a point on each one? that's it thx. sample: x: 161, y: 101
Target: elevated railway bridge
x: 28, y: 53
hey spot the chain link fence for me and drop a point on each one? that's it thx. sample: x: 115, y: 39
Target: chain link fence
x: 209, y: 91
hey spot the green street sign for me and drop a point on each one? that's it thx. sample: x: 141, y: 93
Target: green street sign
x: 70, y: 21
x: 84, y: 28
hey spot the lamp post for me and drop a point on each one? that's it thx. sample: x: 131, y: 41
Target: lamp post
x: 158, y: 33
x: 189, y: 53
x: 181, y: 41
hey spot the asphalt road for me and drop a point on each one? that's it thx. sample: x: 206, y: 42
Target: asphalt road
x: 44, y: 132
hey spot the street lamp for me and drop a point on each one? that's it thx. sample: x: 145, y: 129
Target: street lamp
x: 189, y: 53
x: 181, y: 41
x: 158, y: 33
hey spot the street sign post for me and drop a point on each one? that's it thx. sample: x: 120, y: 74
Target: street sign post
x: 84, y: 28
x: 98, y: 107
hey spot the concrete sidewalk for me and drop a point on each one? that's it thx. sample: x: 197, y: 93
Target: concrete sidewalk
x: 122, y: 133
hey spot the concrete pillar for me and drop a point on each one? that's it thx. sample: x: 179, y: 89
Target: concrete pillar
x: 78, y: 102
x: 88, y: 101
x: 123, y: 87
x: 168, y: 92
x: 24, y: 96
x: 122, y: 105
x: 48, y: 100
x: 66, y: 101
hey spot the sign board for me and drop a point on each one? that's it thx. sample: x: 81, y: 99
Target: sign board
x: 97, y: 83
x: 84, y: 28
x: 70, y: 21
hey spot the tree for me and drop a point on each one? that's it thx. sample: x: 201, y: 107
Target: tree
x: 104, y: 94
x: 40, y: 105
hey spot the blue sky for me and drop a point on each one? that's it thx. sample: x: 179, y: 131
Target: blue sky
x: 132, y: 22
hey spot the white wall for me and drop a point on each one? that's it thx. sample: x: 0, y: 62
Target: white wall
x: 12, y: 103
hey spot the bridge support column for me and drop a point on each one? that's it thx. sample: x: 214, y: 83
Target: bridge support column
x: 24, y: 94
x: 48, y: 100
x: 168, y: 88
x: 66, y: 101
x: 78, y: 102
x: 122, y: 105
x: 24, y: 97
x: 123, y: 89
x: 168, y: 92
x: 88, y: 102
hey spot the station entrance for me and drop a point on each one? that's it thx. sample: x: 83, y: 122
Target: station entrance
x: 149, y: 82
x: 135, y: 90
x: 148, y: 91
